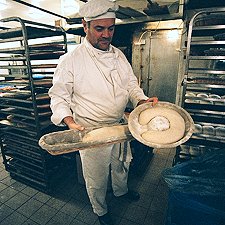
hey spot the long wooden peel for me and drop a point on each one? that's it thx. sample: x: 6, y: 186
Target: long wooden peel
x: 61, y: 142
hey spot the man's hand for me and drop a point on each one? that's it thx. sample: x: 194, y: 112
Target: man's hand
x: 154, y: 101
x: 68, y: 120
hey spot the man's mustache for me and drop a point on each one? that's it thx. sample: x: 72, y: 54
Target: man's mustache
x: 105, y: 39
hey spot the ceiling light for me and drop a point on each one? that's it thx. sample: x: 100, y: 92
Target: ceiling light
x: 69, y: 7
x: 173, y: 34
x: 36, y: 14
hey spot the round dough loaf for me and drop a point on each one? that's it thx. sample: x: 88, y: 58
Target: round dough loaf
x: 175, y: 132
x: 106, y: 133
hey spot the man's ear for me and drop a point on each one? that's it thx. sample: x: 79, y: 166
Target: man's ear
x: 84, y: 25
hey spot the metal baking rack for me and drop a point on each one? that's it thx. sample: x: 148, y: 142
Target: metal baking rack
x: 203, y: 94
x: 28, y: 57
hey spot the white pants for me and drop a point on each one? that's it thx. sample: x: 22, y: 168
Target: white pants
x: 96, y: 164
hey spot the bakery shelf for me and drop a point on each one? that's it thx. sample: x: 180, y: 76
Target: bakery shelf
x: 33, y: 29
x: 214, y: 28
x: 208, y: 113
x: 16, y: 58
x: 5, y: 40
x: 29, y: 56
x: 210, y: 137
x: 19, y: 50
x: 206, y: 71
x: 199, y: 85
x: 207, y: 57
x: 208, y: 42
x: 26, y: 152
x: 203, y: 92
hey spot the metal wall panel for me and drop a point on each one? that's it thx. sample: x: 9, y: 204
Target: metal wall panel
x: 163, y: 66
x: 156, y: 62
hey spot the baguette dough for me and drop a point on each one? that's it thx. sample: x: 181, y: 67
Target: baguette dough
x: 106, y: 134
x: 167, y: 135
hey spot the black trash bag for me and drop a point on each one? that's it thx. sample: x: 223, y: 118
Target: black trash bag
x: 197, y: 191
x: 188, y: 209
x: 204, y: 175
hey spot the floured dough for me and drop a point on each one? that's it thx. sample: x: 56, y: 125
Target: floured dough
x: 146, y: 115
x: 173, y: 134
x: 106, y: 133
x: 159, y: 123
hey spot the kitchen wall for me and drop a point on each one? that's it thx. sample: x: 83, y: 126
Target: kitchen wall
x: 157, y: 58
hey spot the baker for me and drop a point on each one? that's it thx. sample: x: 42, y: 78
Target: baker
x: 91, y: 86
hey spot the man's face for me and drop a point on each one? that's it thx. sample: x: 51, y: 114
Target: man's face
x: 100, y: 32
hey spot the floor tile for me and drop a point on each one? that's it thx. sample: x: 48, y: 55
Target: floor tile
x: 86, y: 215
x: 127, y: 222
x: 145, y: 200
x: 147, y: 188
x: 136, y: 214
x: 43, y: 215
x: 14, y: 219
x: 7, y: 193
x: 3, y: 175
x: 17, y: 200
x: 4, y: 211
x: 60, y: 219
x: 73, y: 208
x: 30, y: 207
x: 82, y: 195
x: 154, y: 218
x: 78, y: 222
x: 18, y: 186
x: 117, y: 207
x: 30, y: 222
x: 42, y: 197
x: 55, y: 203
x: 2, y: 186
x: 8, y: 181
x: 29, y: 191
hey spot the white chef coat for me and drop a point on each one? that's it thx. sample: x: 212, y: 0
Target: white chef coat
x: 94, y: 85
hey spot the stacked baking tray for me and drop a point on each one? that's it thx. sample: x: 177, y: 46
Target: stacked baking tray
x: 204, y: 82
x: 28, y: 58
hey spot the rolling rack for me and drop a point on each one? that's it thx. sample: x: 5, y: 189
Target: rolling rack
x: 203, y: 94
x: 28, y: 57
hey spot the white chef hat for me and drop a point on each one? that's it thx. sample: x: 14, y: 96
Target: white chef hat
x: 98, y: 9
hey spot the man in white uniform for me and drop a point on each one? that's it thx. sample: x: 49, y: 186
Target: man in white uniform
x: 92, y: 86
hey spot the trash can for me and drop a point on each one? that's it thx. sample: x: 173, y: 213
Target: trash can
x: 197, y: 191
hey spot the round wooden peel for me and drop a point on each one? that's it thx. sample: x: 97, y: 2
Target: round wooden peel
x: 138, y: 129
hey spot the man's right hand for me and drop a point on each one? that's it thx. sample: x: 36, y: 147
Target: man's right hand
x: 153, y: 100
x: 68, y: 120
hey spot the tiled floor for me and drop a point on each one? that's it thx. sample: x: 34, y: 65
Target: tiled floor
x: 23, y: 205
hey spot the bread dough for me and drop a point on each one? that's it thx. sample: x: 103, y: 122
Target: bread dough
x: 159, y: 123
x: 146, y: 115
x: 106, y: 134
x: 173, y: 134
